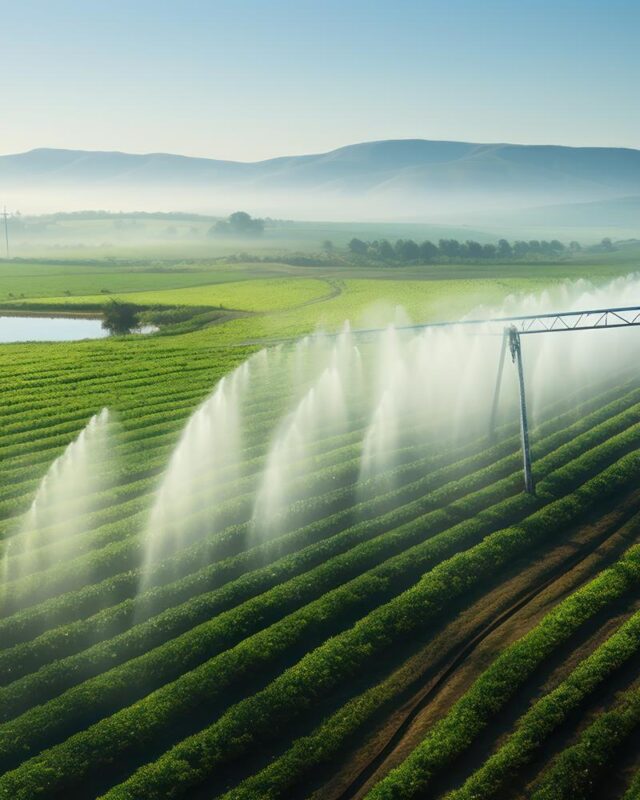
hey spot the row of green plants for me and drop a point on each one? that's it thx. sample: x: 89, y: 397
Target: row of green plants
x: 170, y: 412
x: 43, y: 418
x: 633, y: 792
x: 152, y: 389
x: 450, y: 737
x: 131, y: 483
x: 122, y: 360
x: 129, y: 732
x: 236, y: 509
x: 548, y: 713
x: 326, y: 558
x: 493, y: 690
x: 258, y: 721
x: 191, y: 559
x: 34, y: 588
x: 15, y: 483
x: 576, y: 772
x: 299, y: 590
x: 131, y: 390
x: 19, y: 659
x: 311, y: 533
x: 27, y: 622
x: 98, y: 564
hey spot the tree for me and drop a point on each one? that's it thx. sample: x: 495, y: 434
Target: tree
x: 407, y: 250
x: 120, y: 317
x: 385, y: 250
x: 489, y: 251
x: 607, y: 245
x: 238, y: 224
x: 575, y: 247
x: 242, y: 223
x: 450, y: 248
x: 327, y: 246
x: 358, y: 247
x: 504, y: 249
x: 428, y: 251
x: 474, y: 249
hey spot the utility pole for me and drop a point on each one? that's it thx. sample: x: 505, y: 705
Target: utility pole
x: 6, y: 230
x: 516, y: 357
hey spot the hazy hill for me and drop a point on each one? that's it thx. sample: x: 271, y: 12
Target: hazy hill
x: 403, y: 177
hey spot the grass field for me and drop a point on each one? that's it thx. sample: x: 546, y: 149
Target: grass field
x: 445, y: 634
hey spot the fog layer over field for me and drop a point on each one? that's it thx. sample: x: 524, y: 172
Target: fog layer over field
x: 392, y: 179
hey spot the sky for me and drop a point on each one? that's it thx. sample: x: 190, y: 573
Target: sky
x: 254, y: 79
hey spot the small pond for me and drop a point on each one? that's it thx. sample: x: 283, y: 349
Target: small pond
x: 53, y: 329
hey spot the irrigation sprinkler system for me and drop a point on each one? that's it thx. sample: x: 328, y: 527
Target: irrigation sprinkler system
x: 512, y: 329
x: 515, y: 327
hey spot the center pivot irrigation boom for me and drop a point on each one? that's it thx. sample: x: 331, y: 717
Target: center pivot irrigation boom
x: 512, y: 329
x: 595, y: 319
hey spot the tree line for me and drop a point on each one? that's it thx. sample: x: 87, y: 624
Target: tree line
x: 406, y: 250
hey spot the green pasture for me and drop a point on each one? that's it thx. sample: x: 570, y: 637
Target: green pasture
x: 296, y: 304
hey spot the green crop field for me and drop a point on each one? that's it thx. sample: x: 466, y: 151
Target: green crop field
x: 431, y: 631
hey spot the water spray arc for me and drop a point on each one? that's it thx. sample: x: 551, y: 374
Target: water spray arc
x: 66, y: 496
x: 511, y: 329
x: 332, y: 422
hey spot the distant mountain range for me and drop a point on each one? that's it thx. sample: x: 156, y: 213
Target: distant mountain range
x: 408, y: 178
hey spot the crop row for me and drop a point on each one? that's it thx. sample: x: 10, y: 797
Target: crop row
x: 498, y: 684
x: 129, y: 732
x: 203, y: 554
x: 108, y: 622
x: 19, y: 505
x: 106, y: 561
x: 450, y: 737
x: 312, y: 554
x: 333, y: 470
x: 577, y: 769
x: 633, y: 792
x: 197, y: 554
x: 315, y: 570
x: 548, y: 713
x: 260, y: 718
x: 326, y: 463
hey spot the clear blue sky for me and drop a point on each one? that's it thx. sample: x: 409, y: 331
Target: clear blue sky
x: 251, y: 79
